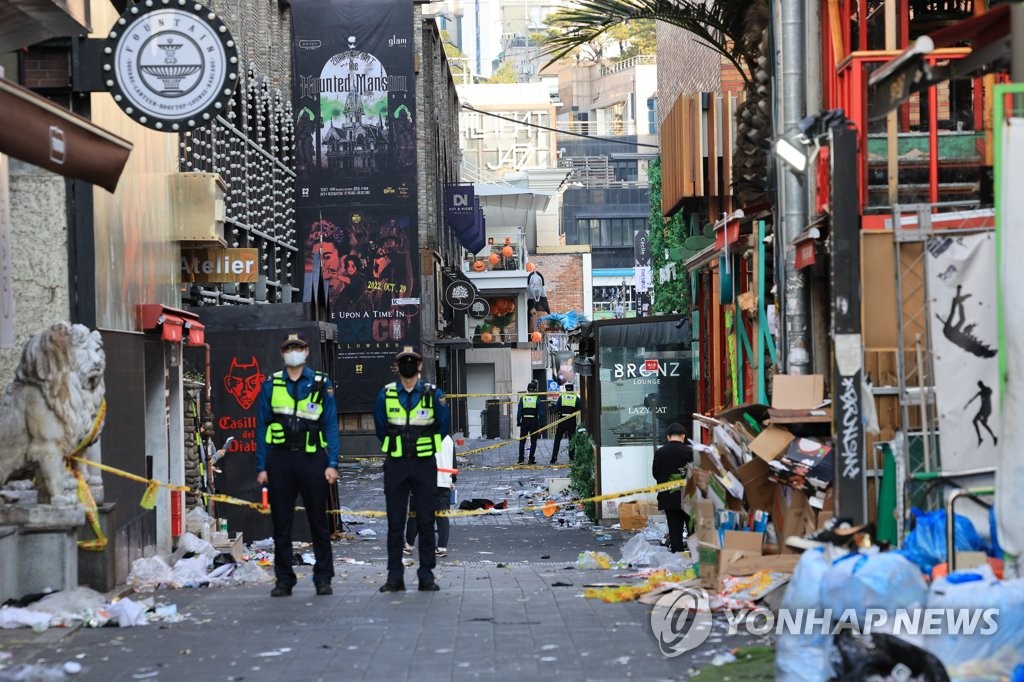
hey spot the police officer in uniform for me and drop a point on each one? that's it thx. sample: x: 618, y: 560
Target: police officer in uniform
x: 568, y: 403
x: 411, y: 420
x: 297, y: 450
x: 528, y: 421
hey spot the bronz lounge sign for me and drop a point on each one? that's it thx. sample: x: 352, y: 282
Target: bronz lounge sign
x: 169, y: 64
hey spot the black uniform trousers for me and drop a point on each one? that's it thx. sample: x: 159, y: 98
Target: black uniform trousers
x: 528, y: 425
x: 402, y: 476
x: 298, y: 473
x: 563, y: 430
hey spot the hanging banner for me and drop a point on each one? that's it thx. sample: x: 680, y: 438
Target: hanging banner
x: 355, y: 154
x: 961, y: 284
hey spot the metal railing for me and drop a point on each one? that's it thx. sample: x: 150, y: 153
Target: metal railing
x: 851, y: 88
x: 631, y: 63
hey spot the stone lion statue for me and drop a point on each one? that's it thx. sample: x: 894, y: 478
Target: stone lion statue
x: 50, y: 407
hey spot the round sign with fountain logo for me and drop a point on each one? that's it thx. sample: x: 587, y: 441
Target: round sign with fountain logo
x: 170, y: 64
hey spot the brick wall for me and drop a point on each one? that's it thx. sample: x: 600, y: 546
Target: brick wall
x: 684, y: 65
x: 731, y: 79
x: 263, y: 33
x: 563, y: 278
x: 45, y: 68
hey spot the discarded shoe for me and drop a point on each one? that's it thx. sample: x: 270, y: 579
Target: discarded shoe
x: 441, y: 551
x: 407, y: 549
x: 324, y: 589
x: 837, y: 531
x: 281, y: 590
x: 429, y: 587
x: 391, y: 587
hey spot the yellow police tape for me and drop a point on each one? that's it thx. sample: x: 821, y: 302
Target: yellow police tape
x: 494, y: 446
x: 84, y: 493
x: 227, y: 499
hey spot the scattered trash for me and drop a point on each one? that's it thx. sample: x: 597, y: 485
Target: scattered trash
x: 723, y: 658
x: 308, y: 559
x: 14, y: 617
x: 367, y: 533
x: 266, y: 545
x: 860, y: 657
x: 593, y: 560
x: 128, y: 613
x: 561, y: 584
x: 34, y: 673
x: 72, y: 667
x: 149, y: 574
x: 603, y: 538
x: 926, y: 544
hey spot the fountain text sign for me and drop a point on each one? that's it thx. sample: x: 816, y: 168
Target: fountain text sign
x: 170, y: 68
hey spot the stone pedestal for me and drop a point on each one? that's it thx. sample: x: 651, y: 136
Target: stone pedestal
x: 8, y: 563
x: 45, y: 547
x: 98, y: 570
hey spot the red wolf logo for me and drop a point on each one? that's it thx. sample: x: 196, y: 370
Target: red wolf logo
x: 243, y: 381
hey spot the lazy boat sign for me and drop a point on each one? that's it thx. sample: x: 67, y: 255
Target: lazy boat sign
x: 201, y: 266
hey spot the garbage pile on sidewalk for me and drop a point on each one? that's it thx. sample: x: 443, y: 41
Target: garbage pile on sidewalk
x: 874, y: 613
x: 82, y: 606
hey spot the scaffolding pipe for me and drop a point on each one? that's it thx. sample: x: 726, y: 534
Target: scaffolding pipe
x: 792, y: 44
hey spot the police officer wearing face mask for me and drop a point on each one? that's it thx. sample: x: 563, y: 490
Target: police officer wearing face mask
x: 528, y: 421
x: 297, y: 449
x: 568, y: 404
x: 411, y: 419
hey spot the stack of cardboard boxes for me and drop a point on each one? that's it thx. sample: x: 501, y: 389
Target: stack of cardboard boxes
x: 773, y: 462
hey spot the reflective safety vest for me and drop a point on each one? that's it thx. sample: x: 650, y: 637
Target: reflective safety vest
x: 296, y: 421
x: 415, y: 428
x: 530, y: 407
x: 567, y: 402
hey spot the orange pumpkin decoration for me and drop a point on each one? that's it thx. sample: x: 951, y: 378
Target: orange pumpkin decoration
x: 486, y: 337
x: 493, y: 258
x: 530, y: 267
x: 502, y: 306
x: 478, y: 265
x: 536, y: 337
x: 507, y: 251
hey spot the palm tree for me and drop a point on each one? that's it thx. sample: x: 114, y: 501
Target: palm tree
x: 735, y: 29
x: 722, y: 25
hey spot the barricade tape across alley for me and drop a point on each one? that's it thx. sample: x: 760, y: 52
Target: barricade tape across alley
x: 548, y: 507
x: 494, y: 446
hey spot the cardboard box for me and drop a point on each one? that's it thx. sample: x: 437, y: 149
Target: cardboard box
x: 235, y: 547
x: 790, y: 509
x: 704, y: 519
x: 738, y: 545
x: 707, y: 564
x: 772, y: 443
x: 777, y: 563
x: 797, y: 392
x: 758, y: 487
x: 633, y: 515
x: 806, y: 466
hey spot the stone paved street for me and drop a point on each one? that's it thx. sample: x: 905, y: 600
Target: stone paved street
x: 510, y: 605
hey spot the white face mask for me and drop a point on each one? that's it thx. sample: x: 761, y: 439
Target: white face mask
x: 295, y: 358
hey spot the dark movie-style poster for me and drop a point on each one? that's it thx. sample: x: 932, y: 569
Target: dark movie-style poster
x: 354, y: 99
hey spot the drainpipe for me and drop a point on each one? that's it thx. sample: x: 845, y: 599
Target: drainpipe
x: 794, y: 221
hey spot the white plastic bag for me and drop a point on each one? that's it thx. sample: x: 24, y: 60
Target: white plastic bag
x: 150, y: 573
x: 593, y: 560
x: 196, y: 545
x: 639, y: 552
x: 251, y: 573
x: 77, y: 605
x: 13, y: 617
x: 191, y: 572
x: 883, y: 580
x: 128, y: 613
x: 804, y: 658
x: 980, y: 654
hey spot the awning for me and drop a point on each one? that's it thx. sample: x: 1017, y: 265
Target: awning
x: 27, y: 22
x: 895, y: 81
x: 39, y: 132
x: 173, y: 325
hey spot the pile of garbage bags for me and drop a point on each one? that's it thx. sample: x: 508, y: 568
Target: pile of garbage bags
x: 86, y: 607
x: 880, y: 618
x: 196, y: 563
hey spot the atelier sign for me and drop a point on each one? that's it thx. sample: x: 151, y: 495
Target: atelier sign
x: 219, y: 265
x: 170, y: 66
